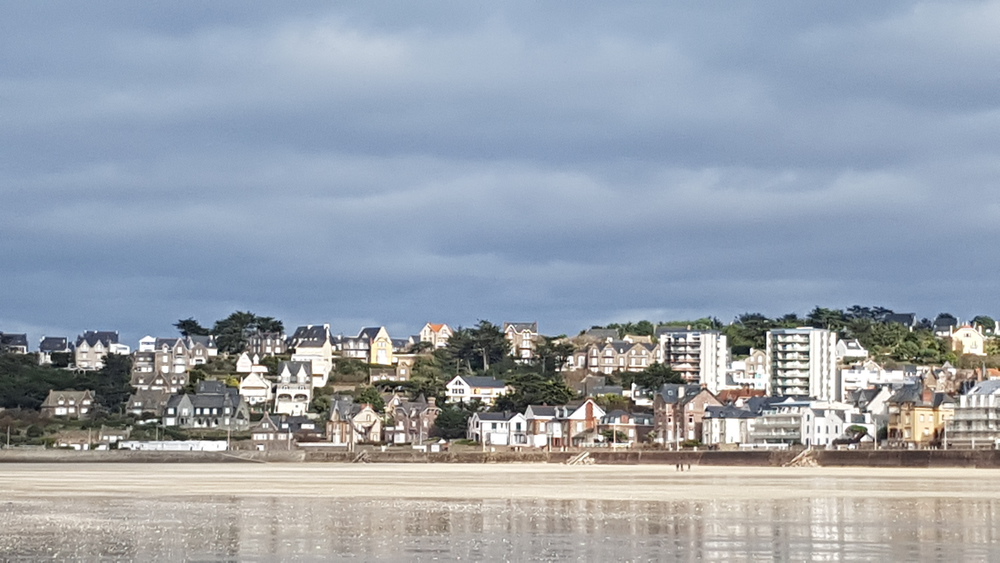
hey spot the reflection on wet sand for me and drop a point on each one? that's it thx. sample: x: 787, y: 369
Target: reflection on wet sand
x: 268, y: 528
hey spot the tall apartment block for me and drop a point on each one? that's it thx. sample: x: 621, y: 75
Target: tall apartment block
x: 699, y: 356
x: 803, y: 361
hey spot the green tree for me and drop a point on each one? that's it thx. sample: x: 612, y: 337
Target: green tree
x: 533, y: 389
x: 984, y: 321
x: 551, y: 354
x: 612, y: 402
x: 191, y: 327
x: 233, y: 332
x: 426, y: 380
x: 639, y: 328
x: 704, y: 323
x: 830, y: 319
x: 749, y: 330
x: 477, y: 349
x: 452, y: 423
x: 371, y: 396
x: 24, y: 384
x: 652, y: 378
x: 111, y: 383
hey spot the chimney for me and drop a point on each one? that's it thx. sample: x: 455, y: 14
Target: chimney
x: 928, y: 395
x: 432, y: 401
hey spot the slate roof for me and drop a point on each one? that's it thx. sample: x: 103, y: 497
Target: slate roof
x: 483, y: 381
x: 206, y: 341
x: 914, y: 394
x: 149, y: 400
x: 908, y: 319
x: 728, y: 412
x: 54, y: 344
x: 11, y: 339
x: 168, y: 342
x: 210, y: 400
x: 945, y: 321
x: 369, y: 332
x: 92, y: 337
x: 214, y: 387
x: 343, y: 408
x: 758, y: 405
x: 496, y: 416
x: 54, y: 396
x: 988, y: 387
x: 542, y: 410
x: 862, y: 397
x: 521, y: 327
x: 295, y: 368
x: 673, y: 392
x: 310, y: 336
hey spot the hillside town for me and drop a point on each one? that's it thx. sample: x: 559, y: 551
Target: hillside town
x: 860, y: 378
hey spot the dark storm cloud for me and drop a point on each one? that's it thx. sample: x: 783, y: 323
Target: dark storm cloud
x: 573, y: 165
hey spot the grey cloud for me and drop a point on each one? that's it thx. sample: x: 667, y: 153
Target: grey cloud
x: 571, y: 165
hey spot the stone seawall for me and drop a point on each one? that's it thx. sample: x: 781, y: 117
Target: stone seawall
x: 127, y: 456
x: 987, y: 459
x: 634, y: 457
x: 824, y: 458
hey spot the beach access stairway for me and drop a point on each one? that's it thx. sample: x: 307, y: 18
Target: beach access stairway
x: 580, y: 458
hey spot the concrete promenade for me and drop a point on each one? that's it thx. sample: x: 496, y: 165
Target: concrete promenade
x: 823, y: 458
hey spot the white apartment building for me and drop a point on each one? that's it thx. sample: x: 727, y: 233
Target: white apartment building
x: 699, y: 356
x: 803, y: 362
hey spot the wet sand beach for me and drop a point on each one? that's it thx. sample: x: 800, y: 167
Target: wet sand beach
x: 464, y: 481
x: 512, y: 512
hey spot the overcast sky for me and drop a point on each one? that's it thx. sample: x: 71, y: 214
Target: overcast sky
x: 572, y: 163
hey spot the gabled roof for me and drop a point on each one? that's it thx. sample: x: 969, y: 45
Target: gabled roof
x: 266, y: 423
x: 862, y: 397
x: 92, y: 337
x: 296, y: 368
x: 369, y: 332
x: 344, y: 408
x: 521, y: 327
x: 148, y: 399
x: 914, y: 394
x: 540, y: 411
x: 206, y: 341
x: 482, y: 381
x: 497, y: 416
x: 171, y: 343
x: 55, y: 395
